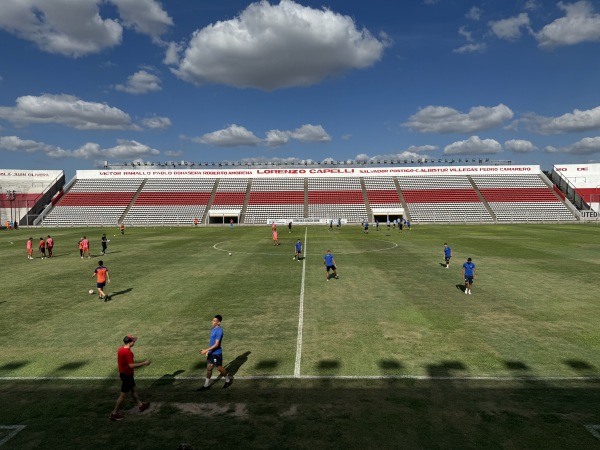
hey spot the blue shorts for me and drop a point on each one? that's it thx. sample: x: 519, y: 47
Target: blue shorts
x: 469, y: 279
x: 100, y: 285
x: 215, y: 360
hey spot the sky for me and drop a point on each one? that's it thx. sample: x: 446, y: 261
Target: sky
x: 88, y: 81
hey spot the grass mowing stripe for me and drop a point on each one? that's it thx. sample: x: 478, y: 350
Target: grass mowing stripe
x: 301, y: 313
x: 323, y: 377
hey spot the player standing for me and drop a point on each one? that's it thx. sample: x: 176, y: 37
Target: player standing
x: 126, y: 369
x: 42, y: 247
x: 102, y: 273
x: 298, y: 250
x: 30, y: 248
x: 469, y: 275
x: 329, y: 262
x: 86, y: 247
x: 104, y: 243
x: 214, y: 354
x: 275, y: 238
x: 447, y: 254
x: 49, y: 245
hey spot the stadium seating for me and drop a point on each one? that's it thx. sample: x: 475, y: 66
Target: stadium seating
x: 521, y: 198
x: 170, y: 202
x: 447, y: 198
x: 335, y: 198
x: 93, y: 202
x: 275, y: 198
x: 425, y: 198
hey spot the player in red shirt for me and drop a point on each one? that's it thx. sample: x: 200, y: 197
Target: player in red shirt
x: 42, y: 247
x: 30, y: 248
x: 49, y: 246
x: 102, y: 273
x: 86, y: 247
x: 126, y: 368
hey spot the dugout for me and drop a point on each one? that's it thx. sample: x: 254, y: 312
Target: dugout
x: 384, y: 214
x: 223, y: 216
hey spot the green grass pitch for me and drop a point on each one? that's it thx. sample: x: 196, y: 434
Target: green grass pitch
x: 392, y: 354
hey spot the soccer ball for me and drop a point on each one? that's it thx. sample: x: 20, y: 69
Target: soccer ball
x: 91, y: 291
x: 229, y: 253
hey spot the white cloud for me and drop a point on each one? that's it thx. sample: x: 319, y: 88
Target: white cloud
x: 510, y: 29
x: 144, y: 16
x: 173, y: 153
x: 57, y: 26
x: 172, y: 54
x: 278, y: 46
x: 311, y: 133
x: 464, y: 32
x: 531, y: 5
x: 235, y: 136
x: 421, y: 148
x: 576, y: 121
x: 520, y: 146
x: 156, y: 123
x: 232, y: 136
x: 474, y: 13
x: 140, y: 82
x: 16, y: 144
x: 400, y: 156
x: 75, y: 28
x: 124, y: 149
x: 276, y: 138
x: 66, y: 110
x: 441, y: 119
x: 580, y: 24
x: 470, y: 48
x: 586, y: 146
x: 473, y: 146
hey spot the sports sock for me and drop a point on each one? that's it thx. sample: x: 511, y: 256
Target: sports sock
x: 206, y: 382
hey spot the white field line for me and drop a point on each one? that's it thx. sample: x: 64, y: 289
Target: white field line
x: 320, y: 377
x: 301, y: 313
x: 15, y: 429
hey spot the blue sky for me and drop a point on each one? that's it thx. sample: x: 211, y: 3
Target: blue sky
x: 85, y: 81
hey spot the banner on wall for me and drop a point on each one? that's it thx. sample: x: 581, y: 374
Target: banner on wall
x: 316, y: 172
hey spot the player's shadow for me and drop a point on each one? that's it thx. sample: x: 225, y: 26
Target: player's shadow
x: 115, y: 294
x: 238, y: 362
x: 443, y: 264
x: 460, y: 287
x: 167, y: 379
x: 13, y: 365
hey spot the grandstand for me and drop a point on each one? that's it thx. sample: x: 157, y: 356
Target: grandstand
x: 159, y: 196
x: 25, y: 193
x: 581, y: 185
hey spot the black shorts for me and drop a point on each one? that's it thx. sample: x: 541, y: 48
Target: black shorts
x: 330, y: 268
x: 100, y: 285
x: 128, y: 383
x: 469, y: 280
x: 215, y: 360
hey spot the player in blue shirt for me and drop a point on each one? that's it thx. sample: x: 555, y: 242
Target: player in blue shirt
x: 329, y: 262
x: 214, y: 354
x: 366, y: 231
x: 447, y: 254
x: 298, y: 250
x: 469, y: 274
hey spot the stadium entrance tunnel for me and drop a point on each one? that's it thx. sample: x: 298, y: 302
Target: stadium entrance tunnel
x: 224, y: 217
x: 383, y: 218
